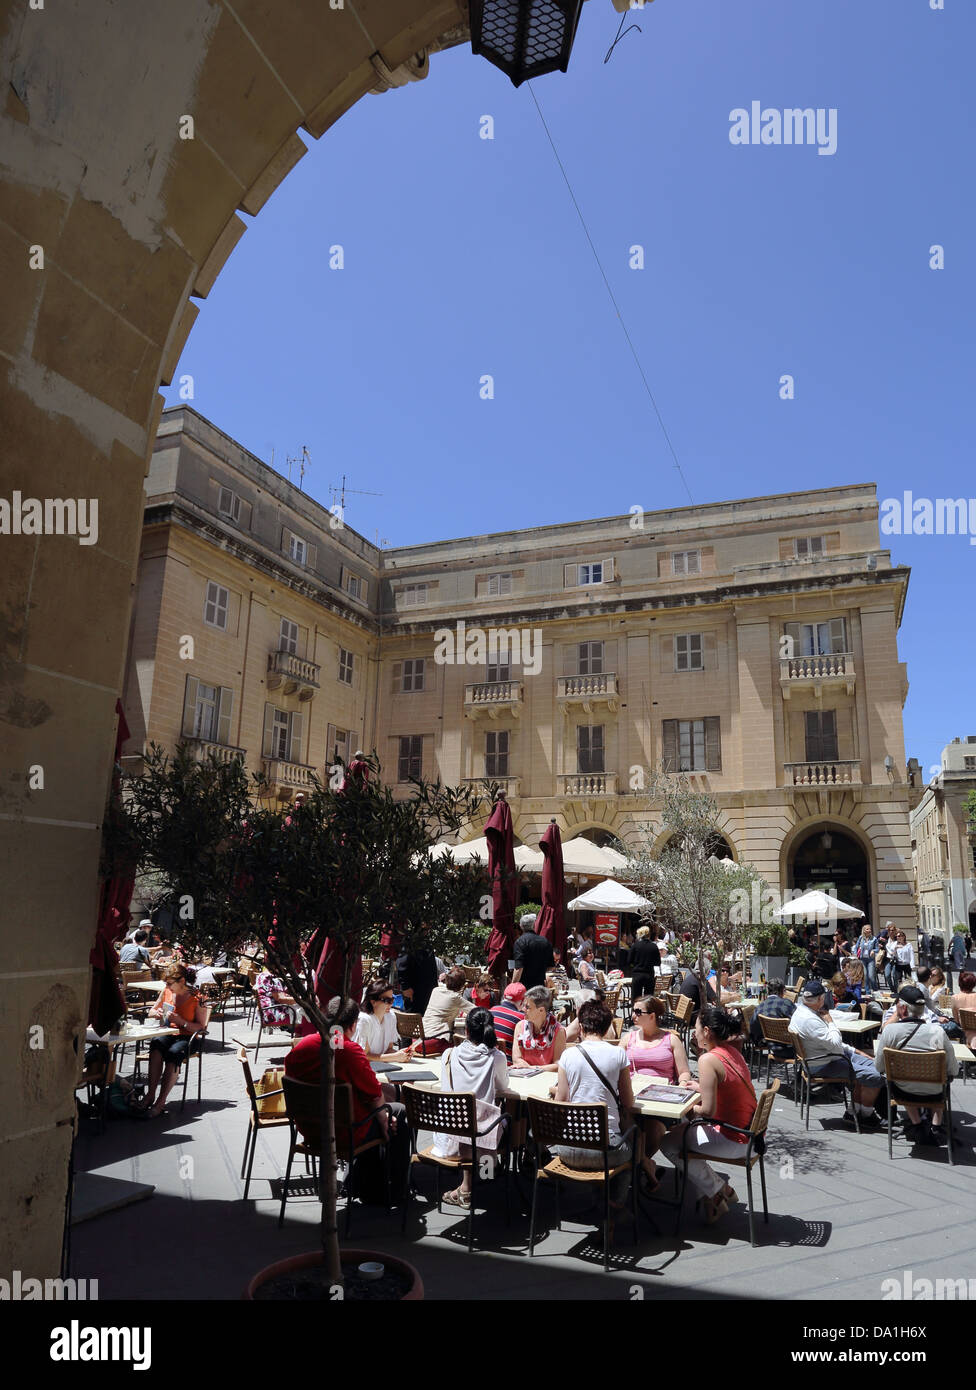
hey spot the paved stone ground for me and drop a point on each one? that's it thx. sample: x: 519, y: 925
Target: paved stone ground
x: 842, y: 1217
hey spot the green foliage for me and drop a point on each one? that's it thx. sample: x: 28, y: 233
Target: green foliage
x: 526, y: 910
x: 969, y: 807
x: 773, y: 940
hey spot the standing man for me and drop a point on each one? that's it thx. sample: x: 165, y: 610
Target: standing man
x: 827, y: 1055
x: 533, y: 955
x: 865, y: 948
x: 957, y: 951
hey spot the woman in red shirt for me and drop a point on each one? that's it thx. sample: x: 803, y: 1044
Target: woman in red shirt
x: 727, y: 1096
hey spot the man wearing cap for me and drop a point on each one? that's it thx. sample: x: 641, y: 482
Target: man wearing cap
x: 828, y: 1056
x: 533, y: 955
x: 911, y: 1031
x: 508, y: 1015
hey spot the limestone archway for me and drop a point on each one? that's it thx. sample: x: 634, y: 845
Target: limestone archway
x: 849, y: 846
x: 135, y: 143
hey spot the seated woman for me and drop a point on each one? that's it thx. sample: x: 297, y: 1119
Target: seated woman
x: 376, y: 1027
x: 965, y: 998
x: 180, y: 1007
x: 586, y: 969
x: 857, y: 984
x: 278, y: 1009
x: 477, y: 1065
x: 842, y: 993
x: 579, y: 1079
x: 540, y: 1038
x: 445, y: 1003
x: 937, y: 987
x: 727, y: 1096
x: 482, y: 992
x: 653, y: 1051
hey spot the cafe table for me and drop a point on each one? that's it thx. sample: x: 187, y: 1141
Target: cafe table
x: 853, y: 1023
x: 130, y: 1033
x: 147, y: 986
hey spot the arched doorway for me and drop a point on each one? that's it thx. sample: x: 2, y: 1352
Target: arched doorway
x: 833, y: 861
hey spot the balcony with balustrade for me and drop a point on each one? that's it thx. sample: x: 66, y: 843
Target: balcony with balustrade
x: 285, y: 778
x: 817, y: 673
x: 202, y: 749
x: 489, y: 699
x: 824, y: 773
x: 588, y: 691
x: 511, y: 786
x: 585, y: 784
x: 293, y: 674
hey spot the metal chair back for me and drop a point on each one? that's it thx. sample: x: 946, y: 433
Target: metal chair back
x: 442, y: 1112
x: 576, y: 1126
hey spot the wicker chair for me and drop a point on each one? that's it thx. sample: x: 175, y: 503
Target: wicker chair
x: 452, y: 1113
x: 303, y: 1103
x: 754, y: 1151
x: 264, y: 1114
x: 809, y: 1083
x: 967, y: 1022
x: 578, y: 1127
x: 901, y: 1067
x: 777, y: 1031
x: 472, y: 973
x: 410, y: 1026
x: 611, y: 998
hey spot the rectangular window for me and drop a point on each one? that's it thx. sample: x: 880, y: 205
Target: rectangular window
x: 692, y: 745
x: 288, y: 638
x: 969, y: 764
x: 818, y: 639
x: 207, y: 711
x: 280, y: 735
x: 590, y: 574
x: 686, y: 562
x: 499, y: 671
x: 589, y: 659
x: 408, y: 675
x: 346, y: 666
x: 355, y: 587
x: 805, y: 547
x: 411, y: 757
x: 499, y: 584
x: 283, y: 734
x: 821, y: 739
x: 298, y: 550
x: 496, y: 754
x: 589, y: 748
x: 340, y: 745
x: 413, y: 595
x: 229, y: 504
x: 688, y: 652
x: 215, y: 606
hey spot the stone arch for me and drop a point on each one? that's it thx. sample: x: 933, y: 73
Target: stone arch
x: 116, y: 216
x: 812, y: 825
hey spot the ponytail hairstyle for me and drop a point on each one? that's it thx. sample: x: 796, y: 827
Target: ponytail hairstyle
x: 724, y: 1024
x: 480, y: 1028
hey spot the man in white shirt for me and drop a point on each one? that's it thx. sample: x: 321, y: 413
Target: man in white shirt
x: 827, y: 1055
x: 912, y: 1032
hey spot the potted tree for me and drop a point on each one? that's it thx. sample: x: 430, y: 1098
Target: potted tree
x: 348, y: 860
x: 773, y: 950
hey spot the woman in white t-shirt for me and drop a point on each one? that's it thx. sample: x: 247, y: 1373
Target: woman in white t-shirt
x: 577, y: 1080
x: 376, y: 1027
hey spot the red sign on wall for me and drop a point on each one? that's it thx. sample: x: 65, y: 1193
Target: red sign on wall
x: 607, y: 928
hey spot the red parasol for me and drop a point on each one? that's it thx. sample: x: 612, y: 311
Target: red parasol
x: 501, y: 874
x: 552, y: 920
x: 106, y: 1005
x: 329, y: 971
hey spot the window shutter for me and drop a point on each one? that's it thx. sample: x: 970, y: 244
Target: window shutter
x: 813, y: 740
x: 706, y: 563
x: 792, y: 630
x: 786, y: 547
x: 190, y: 705
x: 828, y: 725
x: 713, y: 743
x: 669, y: 748
x: 269, y: 711
x: 247, y: 511
x: 832, y: 542
x: 570, y: 576
x: 709, y: 651
x: 295, y: 740
x: 608, y: 571
x: 330, y: 745
x: 663, y: 565
x: 223, y: 717
x: 311, y: 555
x: 363, y: 590
x: 838, y: 635
x: 397, y: 676
x: 286, y: 540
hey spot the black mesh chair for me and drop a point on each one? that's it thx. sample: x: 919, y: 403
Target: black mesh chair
x: 578, y: 1127
x: 452, y: 1113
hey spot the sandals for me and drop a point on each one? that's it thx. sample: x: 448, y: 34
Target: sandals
x: 457, y: 1198
x: 712, y: 1209
x: 730, y: 1194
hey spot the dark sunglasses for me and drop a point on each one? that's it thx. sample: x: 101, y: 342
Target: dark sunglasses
x: 387, y: 998
x: 639, y: 1013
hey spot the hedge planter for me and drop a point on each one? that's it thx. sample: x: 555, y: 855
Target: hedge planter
x: 303, y: 1279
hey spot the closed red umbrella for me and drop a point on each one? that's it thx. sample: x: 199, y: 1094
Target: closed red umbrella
x: 501, y: 874
x: 552, y: 918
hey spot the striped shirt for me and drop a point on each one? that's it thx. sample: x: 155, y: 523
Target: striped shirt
x: 506, y: 1018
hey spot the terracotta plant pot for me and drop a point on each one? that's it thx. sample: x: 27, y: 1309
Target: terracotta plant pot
x: 353, y: 1257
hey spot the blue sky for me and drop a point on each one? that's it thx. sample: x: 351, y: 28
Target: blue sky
x: 465, y: 257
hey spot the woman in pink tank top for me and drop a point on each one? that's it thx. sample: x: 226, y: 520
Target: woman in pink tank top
x: 654, y: 1052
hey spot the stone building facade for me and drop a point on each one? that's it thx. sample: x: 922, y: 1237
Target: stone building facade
x: 944, y: 844
x: 751, y: 644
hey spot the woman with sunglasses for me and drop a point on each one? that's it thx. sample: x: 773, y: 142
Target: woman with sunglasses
x: 655, y: 1052
x: 376, y: 1027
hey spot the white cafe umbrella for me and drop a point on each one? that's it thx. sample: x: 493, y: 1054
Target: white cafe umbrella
x: 477, y: 849
x: 609, y: 896
x: 582, y: 856
x: 816, y: 904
